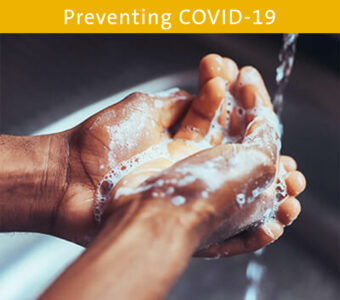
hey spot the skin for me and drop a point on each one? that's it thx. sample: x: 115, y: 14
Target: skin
x: 49, y: 183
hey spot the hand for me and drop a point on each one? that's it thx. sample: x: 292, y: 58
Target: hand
x: 160, y: 205
x: 252, y: 123
x: 97, y: 145
x: 258, y: 237
x: 104, y: 142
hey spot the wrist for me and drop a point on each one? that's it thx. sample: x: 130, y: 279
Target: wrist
x: 55, y: 177
x: 187, y: 222
x: 147, y: 234
x: 33, y: 176
x: 138, y: 234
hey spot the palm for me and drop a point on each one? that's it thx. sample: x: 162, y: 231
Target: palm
x: 208, y: 123
x: 121, y: 132
x: 103, y: 144
x: 103, y: 141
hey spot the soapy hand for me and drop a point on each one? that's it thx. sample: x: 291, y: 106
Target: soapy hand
x: 127, y: 153
x: 236, y: 185
x: 110, y: 137
x: 153, y: 179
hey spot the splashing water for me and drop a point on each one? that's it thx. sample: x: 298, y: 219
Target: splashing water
x: 283, y: 71
x: 255, y: 267
x: 254, y: 273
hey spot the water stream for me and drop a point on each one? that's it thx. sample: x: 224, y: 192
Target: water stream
x: 284, y: 70
x: 254, y: 274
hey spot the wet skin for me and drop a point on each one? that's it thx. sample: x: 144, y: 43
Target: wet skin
x: 216, y: 75
x: 68, y: 166
x: 146, y: 241
x: 93, y: 144
x: 49, y: 184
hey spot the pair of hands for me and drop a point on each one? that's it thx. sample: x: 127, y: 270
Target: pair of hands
x: 221, y: 172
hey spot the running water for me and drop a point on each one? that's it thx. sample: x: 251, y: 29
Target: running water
x: 254, y: 273
x: 283, y: 71
x: 255, y: 267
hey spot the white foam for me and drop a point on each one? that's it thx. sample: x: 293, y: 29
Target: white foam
x: 170, y: 190
x: 241, y: 199
x: 214, y: 128
x: 267, y: 215
x: 159, y: 103
x: 208, y: 172
x: 178, y: 200
x: 123, y: 135
x: 205, y: 194
x: 121, y: 169
x: 280, y: 187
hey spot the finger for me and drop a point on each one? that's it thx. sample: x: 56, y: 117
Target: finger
x: 236, y: 122
x: 232, y: 69
x: 288, y: 211
x: 169, y: 106
x: 213, y: 65
x: 250, y: 91
x: 207, y: 114
x: 288, y: 162
x: 262, y: 124
x: 263, y: 235
x: 296, y: 183
x: 264, y: 133
x: 246, y: 242
x: 249, y: 86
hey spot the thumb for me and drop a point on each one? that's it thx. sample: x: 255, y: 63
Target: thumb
x: 169, y: 106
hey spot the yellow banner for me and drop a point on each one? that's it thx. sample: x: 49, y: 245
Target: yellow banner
x: 150, y: 16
